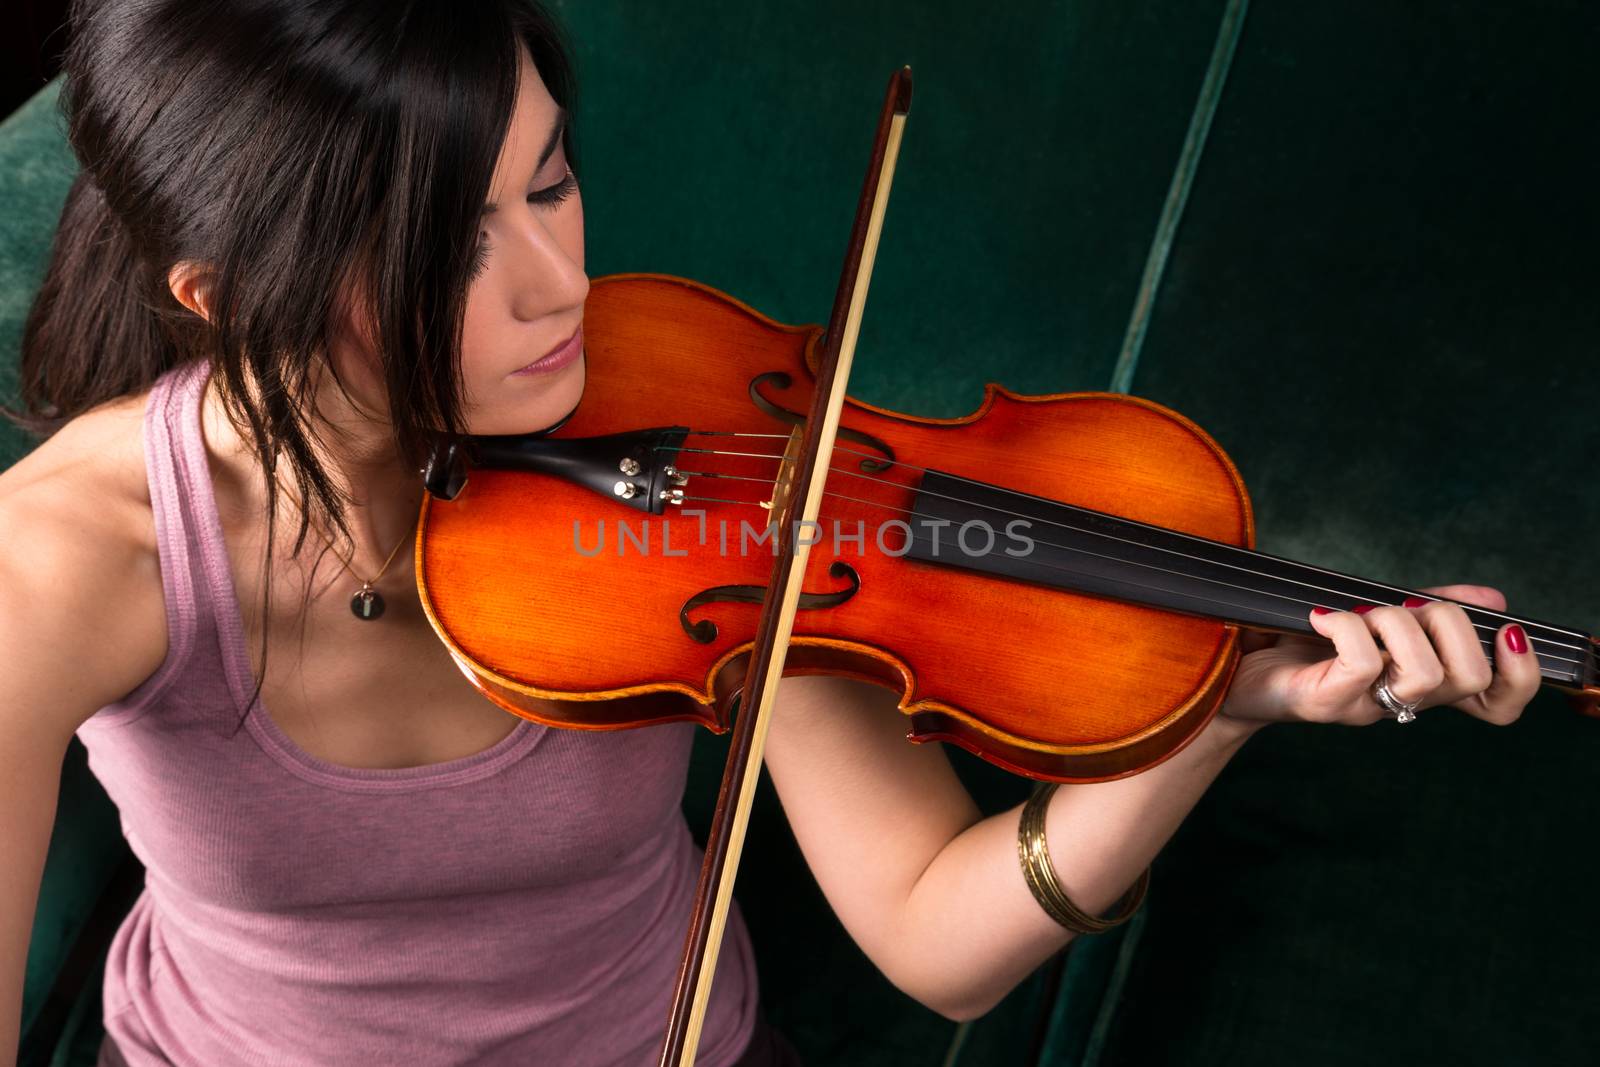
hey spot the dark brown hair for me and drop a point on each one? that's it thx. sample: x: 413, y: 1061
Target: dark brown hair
x: 303, y: 151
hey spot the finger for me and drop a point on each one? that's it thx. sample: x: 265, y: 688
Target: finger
x: 1414, y: 671
x: 1341, y: 685
x: 1516, y: 679
x: 1460, y: 647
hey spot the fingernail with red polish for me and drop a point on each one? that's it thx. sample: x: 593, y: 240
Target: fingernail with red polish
x: 1414, y: 602
x: 1320, y: 610
x: 1361, y: 609
x: 1516, y: 638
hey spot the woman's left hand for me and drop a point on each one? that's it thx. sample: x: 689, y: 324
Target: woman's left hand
x: 1432, y: 654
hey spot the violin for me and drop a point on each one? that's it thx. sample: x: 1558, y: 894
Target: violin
x: 717, y: 513
x: 607, y: 577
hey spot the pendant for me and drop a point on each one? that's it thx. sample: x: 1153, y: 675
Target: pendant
x: 367, y: 603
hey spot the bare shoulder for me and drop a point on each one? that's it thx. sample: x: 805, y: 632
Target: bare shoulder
x: 82, y: 615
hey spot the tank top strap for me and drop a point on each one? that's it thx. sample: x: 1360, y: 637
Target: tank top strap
x: 179, y: 479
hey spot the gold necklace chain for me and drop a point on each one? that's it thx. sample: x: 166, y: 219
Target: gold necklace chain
x: 367, y: 603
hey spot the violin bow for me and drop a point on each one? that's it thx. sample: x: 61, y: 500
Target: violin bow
x: 796, y: 510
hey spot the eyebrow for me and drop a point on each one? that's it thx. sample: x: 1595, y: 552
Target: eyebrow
x: 556, y: 130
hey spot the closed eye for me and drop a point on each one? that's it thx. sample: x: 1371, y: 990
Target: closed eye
x: 547, y: 197
x: 556, y: 193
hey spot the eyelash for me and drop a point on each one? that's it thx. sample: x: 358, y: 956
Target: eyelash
x: 551, y: 197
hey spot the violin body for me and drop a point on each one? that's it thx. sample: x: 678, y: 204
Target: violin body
x: 566, y: 608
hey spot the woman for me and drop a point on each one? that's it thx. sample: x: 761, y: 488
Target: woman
x: 306, y: 236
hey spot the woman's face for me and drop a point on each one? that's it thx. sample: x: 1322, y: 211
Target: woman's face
x: 526, y: 302
x: 526, y: 298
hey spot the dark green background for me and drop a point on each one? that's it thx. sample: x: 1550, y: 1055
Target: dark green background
x: 1381, y: 302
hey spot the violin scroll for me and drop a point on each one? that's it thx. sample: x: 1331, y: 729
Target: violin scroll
x: 1586, y: 701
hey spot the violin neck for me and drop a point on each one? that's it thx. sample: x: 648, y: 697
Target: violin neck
x: 1068, y: 547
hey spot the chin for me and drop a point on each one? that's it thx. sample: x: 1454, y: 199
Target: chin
x: 527, y: 404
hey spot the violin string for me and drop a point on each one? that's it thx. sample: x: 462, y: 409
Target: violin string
x: 723, y: 500
x: 1581, y: 643
x: 1182, y: 555
x: 1580, y: 648
x: 1583, y: 640
x: 1486, y: 643
x: 734, y: 433
x: 718, y: 474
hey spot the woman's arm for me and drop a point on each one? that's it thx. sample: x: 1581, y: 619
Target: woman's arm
x: 82, y: 622
x: 934, y: 893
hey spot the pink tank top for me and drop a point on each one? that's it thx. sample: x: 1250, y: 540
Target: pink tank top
x: 524, y: 905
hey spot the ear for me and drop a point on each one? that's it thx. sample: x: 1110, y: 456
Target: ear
x: 190, y: 283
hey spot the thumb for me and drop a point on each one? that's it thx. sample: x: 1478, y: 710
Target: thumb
x: 1479, y: 596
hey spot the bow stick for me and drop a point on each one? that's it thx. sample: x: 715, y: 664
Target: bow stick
x: 795, y: 508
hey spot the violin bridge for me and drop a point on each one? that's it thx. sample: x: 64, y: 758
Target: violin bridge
x: 783, y: 485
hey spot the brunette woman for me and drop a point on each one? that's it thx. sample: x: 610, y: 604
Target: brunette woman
x: 306, y: 236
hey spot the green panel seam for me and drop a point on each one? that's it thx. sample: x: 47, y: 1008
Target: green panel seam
x: 1112, y: 1000
x: 1194, y: 143
x: 953, y: 1053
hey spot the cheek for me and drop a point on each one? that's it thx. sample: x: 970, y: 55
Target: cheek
x: 574, y: 241
x: 488, y: 336
x: 478, y: 338
x: 495, y: 403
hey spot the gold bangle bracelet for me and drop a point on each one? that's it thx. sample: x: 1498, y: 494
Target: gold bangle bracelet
x: 1040, y: 873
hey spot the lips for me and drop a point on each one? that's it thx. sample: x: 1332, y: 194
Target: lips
x: 559, y: 357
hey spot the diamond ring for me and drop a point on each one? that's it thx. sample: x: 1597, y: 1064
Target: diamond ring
x: 1402, y: 711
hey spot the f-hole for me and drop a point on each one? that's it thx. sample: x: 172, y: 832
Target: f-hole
x: 779, y: 380
x: 705, y: 631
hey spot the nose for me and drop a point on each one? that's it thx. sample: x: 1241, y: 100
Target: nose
x: 549, y: 276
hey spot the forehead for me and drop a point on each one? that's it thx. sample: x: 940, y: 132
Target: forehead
x: 535, y: 113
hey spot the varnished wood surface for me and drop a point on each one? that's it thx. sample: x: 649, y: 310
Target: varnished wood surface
x: 1039, y: 680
